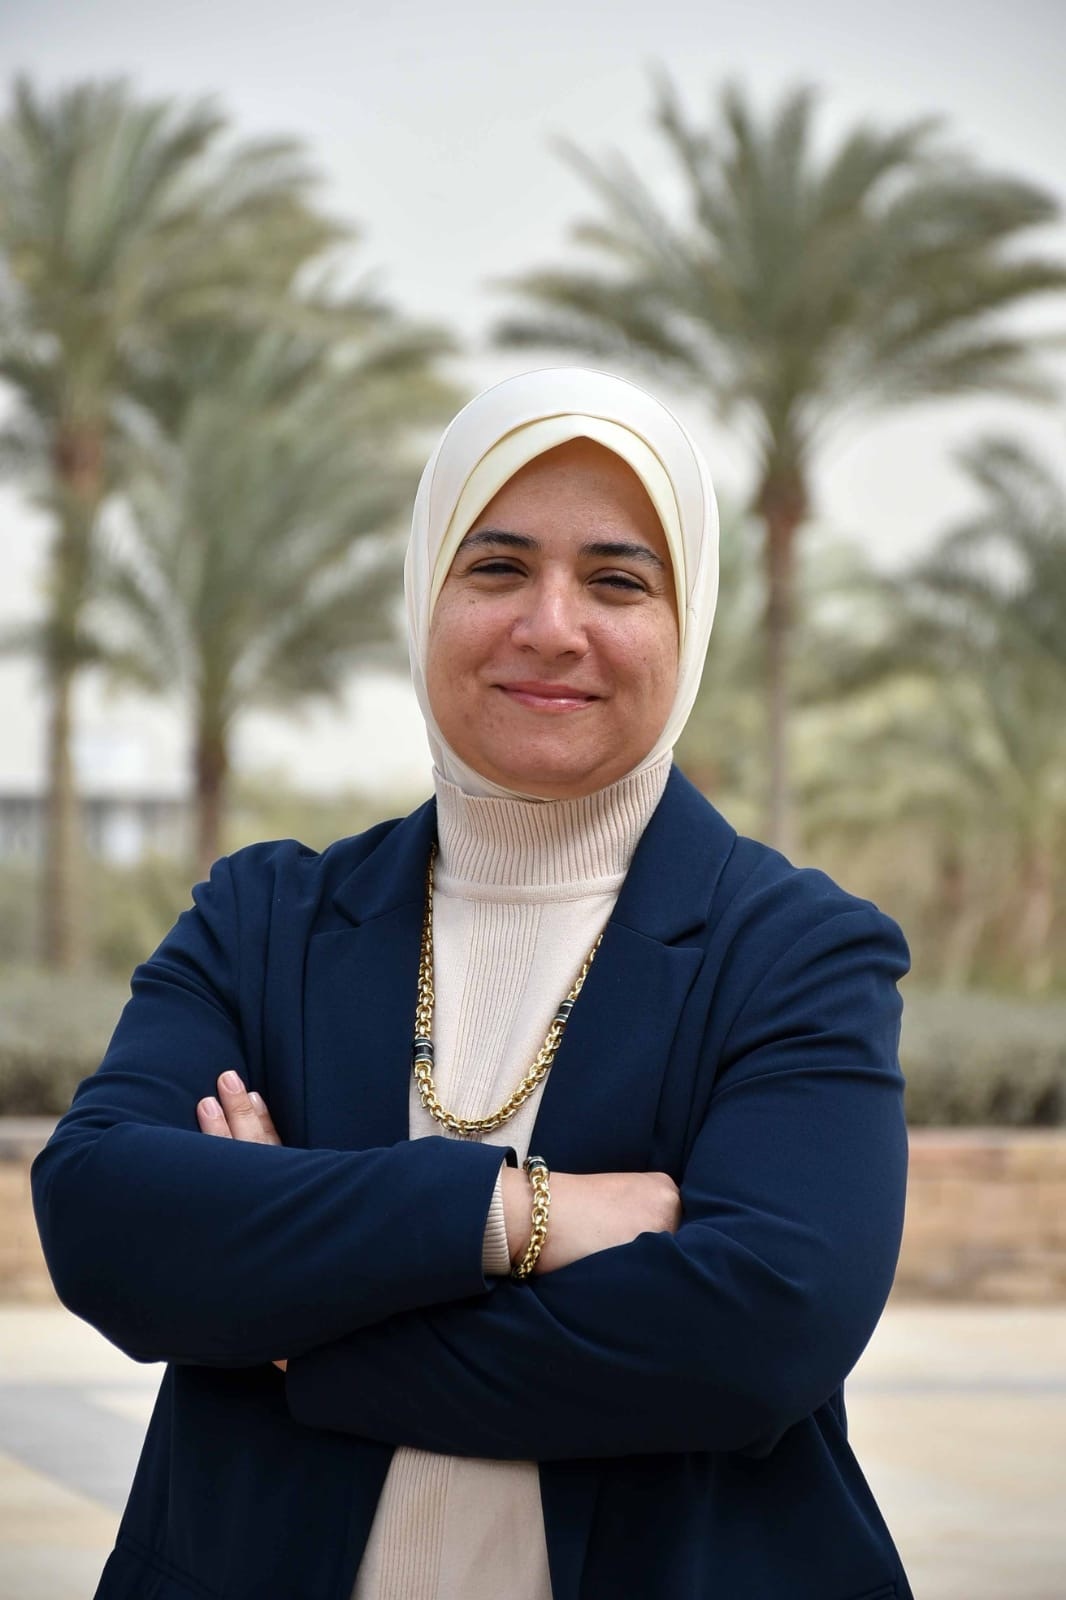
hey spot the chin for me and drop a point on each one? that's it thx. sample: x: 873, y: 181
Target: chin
x: 547, y: 782
x: 541, y: 789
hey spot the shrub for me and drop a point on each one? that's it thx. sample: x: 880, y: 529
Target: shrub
x: 19, y: 915
x: 980, y: 1059
x: 129, y: 911
x: 53, y: 1031
x: 132, y: 908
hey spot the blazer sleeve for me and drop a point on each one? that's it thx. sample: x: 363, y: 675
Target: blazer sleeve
x: 181, y: 1247
x: 717, y: 1338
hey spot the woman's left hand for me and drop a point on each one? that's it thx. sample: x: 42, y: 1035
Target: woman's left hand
x: 236, y: 1114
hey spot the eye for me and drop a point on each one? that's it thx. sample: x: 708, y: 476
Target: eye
x: 497, y: 572
x: 621, y: 582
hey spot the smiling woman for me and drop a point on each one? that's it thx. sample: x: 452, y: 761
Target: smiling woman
x: 510, y: 1188
x: 553, y: 648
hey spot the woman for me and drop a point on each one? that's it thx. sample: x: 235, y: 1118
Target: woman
x: 653, y: 1406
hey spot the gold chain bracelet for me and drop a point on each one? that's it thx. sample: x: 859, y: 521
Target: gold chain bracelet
x: 537, y: 1169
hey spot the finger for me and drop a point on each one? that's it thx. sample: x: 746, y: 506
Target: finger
x: 212, y: 1118
x: 240, y: 1113
x: 266, y: 1122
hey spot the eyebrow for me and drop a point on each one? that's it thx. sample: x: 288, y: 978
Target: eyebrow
x: 604, y: 549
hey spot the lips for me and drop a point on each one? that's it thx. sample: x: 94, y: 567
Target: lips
x: 550, y: 697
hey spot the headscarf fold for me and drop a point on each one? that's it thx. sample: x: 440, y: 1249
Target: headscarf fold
x: 503, y: 429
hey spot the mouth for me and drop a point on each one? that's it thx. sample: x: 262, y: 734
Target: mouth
x: 549, y: 697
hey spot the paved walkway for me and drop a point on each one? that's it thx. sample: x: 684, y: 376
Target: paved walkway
x: 957, y: 1414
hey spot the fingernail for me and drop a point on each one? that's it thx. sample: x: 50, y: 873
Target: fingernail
x: 257, y: 1100
x: 211, y: 1107
x: 231, y: 1081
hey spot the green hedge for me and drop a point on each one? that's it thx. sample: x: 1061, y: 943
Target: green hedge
x: 980, y: 1059
x: 974, y: 1059
x: 129, y: 911
x: 53, y: 1031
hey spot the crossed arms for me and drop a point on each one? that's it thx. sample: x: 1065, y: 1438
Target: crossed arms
x: 716, y: 1336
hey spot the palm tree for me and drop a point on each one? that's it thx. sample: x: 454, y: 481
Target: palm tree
x: 901, y: 795
x: 990, y: 603
x: 258, y: 566
x: 796, y: 289
x: 971, y: 667
x: 721, y: 748
x: 123, y: 222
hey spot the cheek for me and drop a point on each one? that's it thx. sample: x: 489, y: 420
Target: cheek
x: 664, y: 693
x: 659, y: 689
x: 456, y: 646
x: 438, y: 655
x: 446, y: 636
x: 651, y: 664
x: 466, y: 631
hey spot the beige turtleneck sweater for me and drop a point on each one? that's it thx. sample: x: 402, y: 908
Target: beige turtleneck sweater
x: 522, y: 890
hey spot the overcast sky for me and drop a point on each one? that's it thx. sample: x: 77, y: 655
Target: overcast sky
x: 432, y: 125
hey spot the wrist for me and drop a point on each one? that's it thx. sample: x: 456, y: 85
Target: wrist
x: 514, y: 1190
x: 540, y: 1191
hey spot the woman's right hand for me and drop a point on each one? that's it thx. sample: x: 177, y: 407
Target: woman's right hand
x: 589, y: 1212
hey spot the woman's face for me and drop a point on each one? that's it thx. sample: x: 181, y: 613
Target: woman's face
x: 553, y: 647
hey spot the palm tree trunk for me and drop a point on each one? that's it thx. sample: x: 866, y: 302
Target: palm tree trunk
x: 78, y: 462
x: 211, y: 765
x: 964, y: 919
x: 1037, y: 915
x: 781, y: 504
x: 63, y: 919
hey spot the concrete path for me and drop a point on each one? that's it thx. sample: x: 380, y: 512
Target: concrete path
x: 957, y: 1415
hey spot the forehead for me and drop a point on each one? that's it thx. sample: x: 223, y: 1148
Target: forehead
x: 578, y: 487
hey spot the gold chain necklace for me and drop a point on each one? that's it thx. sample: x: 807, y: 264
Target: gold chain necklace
x: 422, y: 1049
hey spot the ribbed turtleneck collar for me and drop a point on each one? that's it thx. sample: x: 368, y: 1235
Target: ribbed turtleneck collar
x: 500, y: 843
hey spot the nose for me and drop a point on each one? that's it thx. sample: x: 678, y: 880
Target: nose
x: 551, y: 621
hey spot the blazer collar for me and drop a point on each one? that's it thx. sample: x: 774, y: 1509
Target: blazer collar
x: 675, y: 867
x: 666, y: 894
x: 394, y: 872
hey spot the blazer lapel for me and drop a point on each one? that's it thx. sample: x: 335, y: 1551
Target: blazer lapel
x: 359, y: 996
x: 598, y: 1110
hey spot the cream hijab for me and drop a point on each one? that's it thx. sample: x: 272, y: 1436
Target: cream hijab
x: 506, y: 427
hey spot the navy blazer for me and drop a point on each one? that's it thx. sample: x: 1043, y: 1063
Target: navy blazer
x: 682, y: 1393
